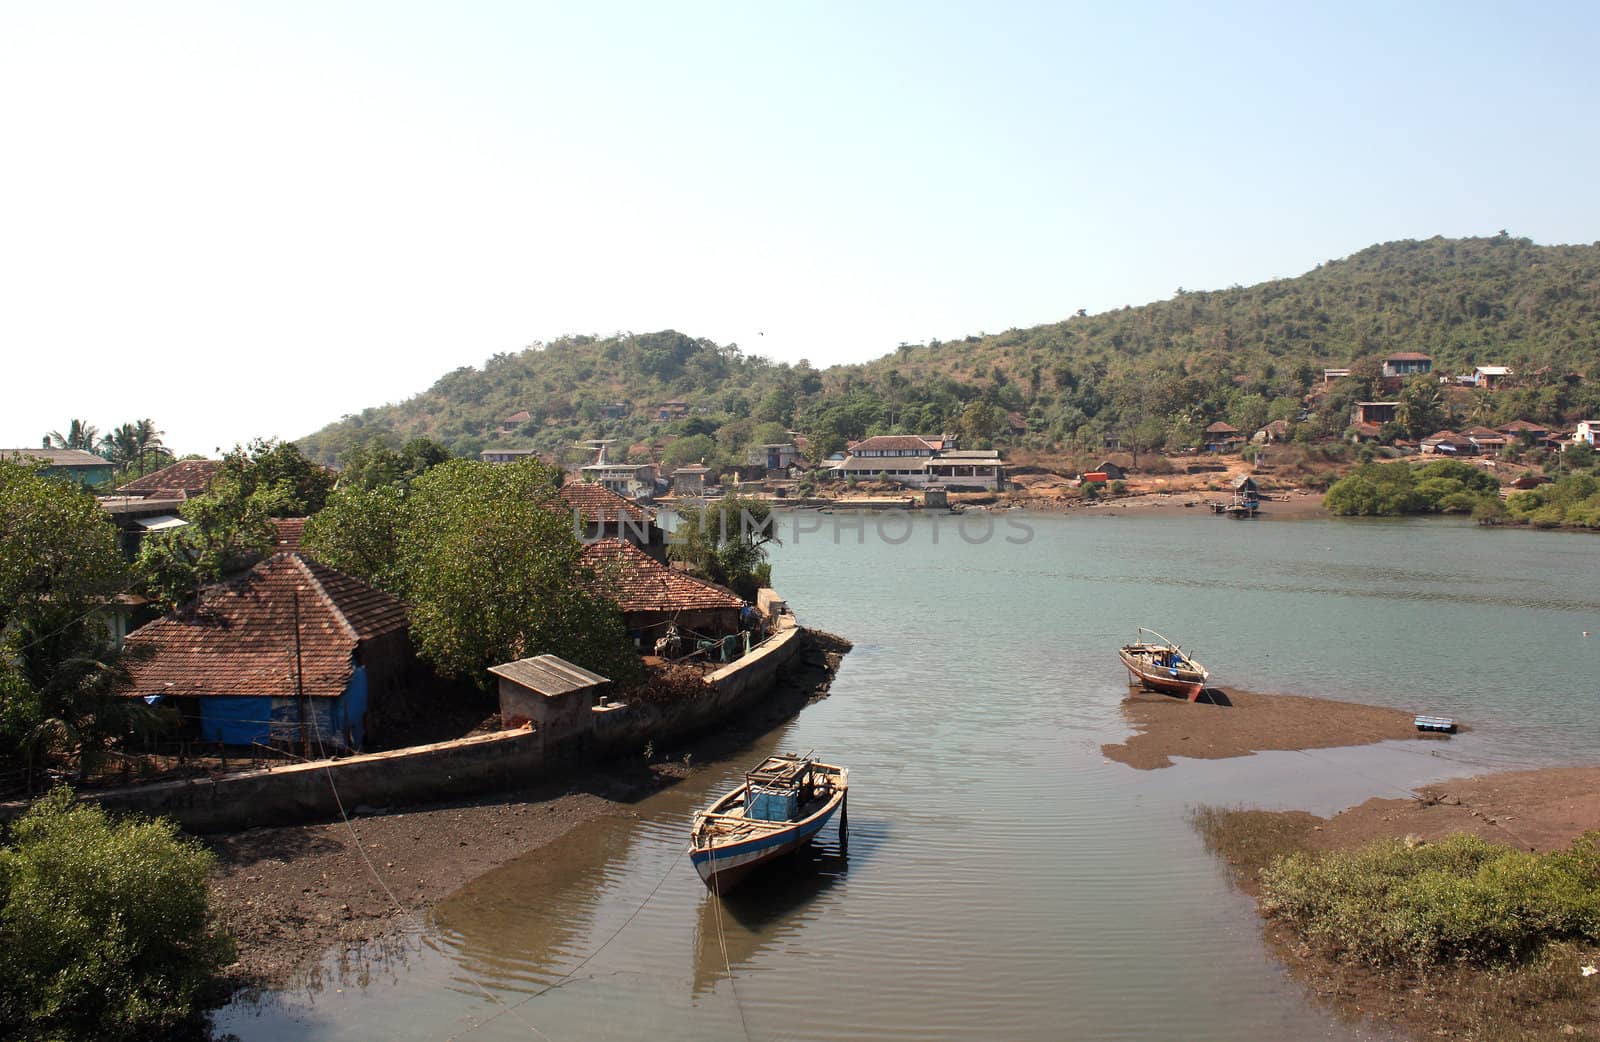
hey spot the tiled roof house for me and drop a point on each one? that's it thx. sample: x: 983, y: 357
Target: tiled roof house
x: 597, y: 513
x: 229, y: 664
x: 181, y: 480
x: 652, y: 595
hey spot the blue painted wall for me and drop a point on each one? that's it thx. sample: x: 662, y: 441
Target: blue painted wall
x: 338, y: 722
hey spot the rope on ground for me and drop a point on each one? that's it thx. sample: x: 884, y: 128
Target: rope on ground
x: 338, y: 801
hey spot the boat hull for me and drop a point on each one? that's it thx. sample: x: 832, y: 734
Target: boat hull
x: 1181, y: 682
x: 724, y: 866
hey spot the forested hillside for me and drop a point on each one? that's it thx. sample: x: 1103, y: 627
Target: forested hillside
x: 1156, y: 373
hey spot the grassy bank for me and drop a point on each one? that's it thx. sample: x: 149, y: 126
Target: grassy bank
x: 1459, y: 938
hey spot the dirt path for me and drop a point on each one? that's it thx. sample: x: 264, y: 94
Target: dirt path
x: 287, y: 894
x: 1230, y: 722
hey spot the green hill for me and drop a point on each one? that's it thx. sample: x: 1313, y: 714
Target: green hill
x: 1244, y: 354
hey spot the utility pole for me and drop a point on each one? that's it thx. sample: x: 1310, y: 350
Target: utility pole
x: 299, y: 688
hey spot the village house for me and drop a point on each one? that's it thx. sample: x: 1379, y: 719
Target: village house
x: 613, y: 410
x: 1360, y: 433
x: 599, y: 513
x: 1375, y: 413
x: 1586, y: 432
x: 1487, y: 442
x: 916, y: 460
x: 965, y: 469
x: 292, y: 654
x: 655, y: 598
x: 1404, y: 364
x: 1016, y: 424
x: 1449, y: 443
x: 1111, y: 471
x: 690, y: 480
x: 1330, y: 375
x: 184, y: 479
x: 634, y: 480
x: 674, y: 410
x: 1277, y: 430
x: 1222, y: 437
x: 83, y: 468
x: 511, y: 423
x: 1491, y: 377
x: 778, y: 456
x: 1518, y: 429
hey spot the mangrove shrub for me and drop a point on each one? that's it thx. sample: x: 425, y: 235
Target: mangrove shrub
x: 1459, y: 900
x: 105, y: 932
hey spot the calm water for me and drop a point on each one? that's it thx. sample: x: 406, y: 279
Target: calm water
x: 1003, y: 880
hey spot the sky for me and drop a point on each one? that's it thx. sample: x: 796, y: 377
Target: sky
x: 247, y: 220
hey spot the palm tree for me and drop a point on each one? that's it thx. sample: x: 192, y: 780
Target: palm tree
x: 121, y: 446
x: 80, y: 435
x: 147, y: 439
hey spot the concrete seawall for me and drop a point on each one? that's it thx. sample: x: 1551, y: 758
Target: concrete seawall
x: 484, y: 763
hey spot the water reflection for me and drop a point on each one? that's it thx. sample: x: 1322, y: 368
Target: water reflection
x: 773, y: 904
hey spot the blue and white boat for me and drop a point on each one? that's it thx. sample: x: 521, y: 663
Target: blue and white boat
x: 783, y: 802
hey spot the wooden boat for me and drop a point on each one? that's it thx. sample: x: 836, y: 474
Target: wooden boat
x: 1161, y: 665
x: 783, y: 803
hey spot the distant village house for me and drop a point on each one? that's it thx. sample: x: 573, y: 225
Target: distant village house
x: 1403, y: 364
x: 83, y: 468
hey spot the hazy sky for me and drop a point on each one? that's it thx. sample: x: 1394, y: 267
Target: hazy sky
x: 249, y: 220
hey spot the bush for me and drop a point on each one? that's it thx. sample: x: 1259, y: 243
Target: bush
x: 105, y: 931
x: 1459, y: 900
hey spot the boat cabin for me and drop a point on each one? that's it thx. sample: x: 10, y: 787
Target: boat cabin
x: 779, y: 787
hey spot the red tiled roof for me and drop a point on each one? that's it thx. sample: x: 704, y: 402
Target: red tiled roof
x: 637, y: 582
x: 290, y: 531
x: 597, y: 504
x: 519, y: 417
x: 1221, y: 427
x: 190, y: 477
x: 239, y: 640
x: 1516, y: 426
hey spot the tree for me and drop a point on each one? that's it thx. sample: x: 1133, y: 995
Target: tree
x: 686, y: 451
x: 107, y: 928
x: 147, y: 440
x: 59, y: 567
x: 230, y: 527
x: 373, y: 463
x: 487, y: 565
x: 1149, y: 434
x: 725, y: 542
x: 80, y: 435
x: 360, y: 532
x: 979, y: 420
x: 1421, y: 408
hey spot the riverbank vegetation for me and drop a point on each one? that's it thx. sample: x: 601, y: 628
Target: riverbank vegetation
x: 1392, y: 489
x: 105, y: 928
x: 1459, y: 937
